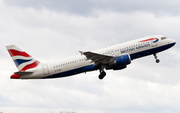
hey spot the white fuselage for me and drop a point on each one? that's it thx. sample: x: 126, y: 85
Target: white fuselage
x: 79, y: 63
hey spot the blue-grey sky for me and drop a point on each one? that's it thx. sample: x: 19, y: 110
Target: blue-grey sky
x: 85, y: 7
x: 55, y: 29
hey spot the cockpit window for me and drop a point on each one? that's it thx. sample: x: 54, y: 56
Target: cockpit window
x: 163, y: 38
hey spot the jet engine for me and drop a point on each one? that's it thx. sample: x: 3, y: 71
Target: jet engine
x: 120, y: 62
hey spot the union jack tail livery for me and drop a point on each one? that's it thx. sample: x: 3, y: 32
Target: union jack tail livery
x: 22, y: 60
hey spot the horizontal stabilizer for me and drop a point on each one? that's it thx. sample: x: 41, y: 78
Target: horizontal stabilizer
x: 23, y: 73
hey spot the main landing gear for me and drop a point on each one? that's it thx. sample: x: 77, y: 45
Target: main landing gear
x: 102, y: 75
x: 155, y: 56
x: 102, y: 72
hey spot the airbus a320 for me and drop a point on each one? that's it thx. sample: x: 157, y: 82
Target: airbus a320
x: 115, y: 57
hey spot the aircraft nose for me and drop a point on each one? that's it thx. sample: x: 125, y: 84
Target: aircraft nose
x: 15, y: 76
x: 173, y: 41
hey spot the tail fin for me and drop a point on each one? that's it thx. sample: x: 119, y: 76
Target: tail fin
x: 22, y: 60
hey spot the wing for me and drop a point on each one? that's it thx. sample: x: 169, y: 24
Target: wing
x: 98, y: 58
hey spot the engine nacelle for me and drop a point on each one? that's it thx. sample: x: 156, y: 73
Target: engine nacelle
x: 119, y: 67
x: 122, y: 60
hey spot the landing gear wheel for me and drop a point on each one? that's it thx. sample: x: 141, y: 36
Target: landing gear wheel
x: 102, y: 75
x: 157, y: 60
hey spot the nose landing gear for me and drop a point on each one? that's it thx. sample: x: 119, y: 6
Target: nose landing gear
x: 155, y: 56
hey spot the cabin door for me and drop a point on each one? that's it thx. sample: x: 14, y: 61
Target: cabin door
x: 45, y: 69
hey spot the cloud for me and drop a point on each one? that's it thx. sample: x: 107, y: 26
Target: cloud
x: 82, y: 7
x: 50, y: 33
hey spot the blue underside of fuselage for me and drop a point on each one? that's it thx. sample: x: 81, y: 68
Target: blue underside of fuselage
x: 92, y: 67
x: 74, y: 71
x: 150, y: 51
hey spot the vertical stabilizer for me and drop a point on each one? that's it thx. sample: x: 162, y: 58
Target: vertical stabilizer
x: 22, y: 60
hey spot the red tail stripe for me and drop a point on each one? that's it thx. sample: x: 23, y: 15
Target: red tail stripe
x: 148, y: 39
x: 13, y: 52
x: 30, y: 66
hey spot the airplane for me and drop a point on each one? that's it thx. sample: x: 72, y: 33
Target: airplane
x: 115, y: 57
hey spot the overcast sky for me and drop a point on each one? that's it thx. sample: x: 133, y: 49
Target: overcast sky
x: 55, y: 29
